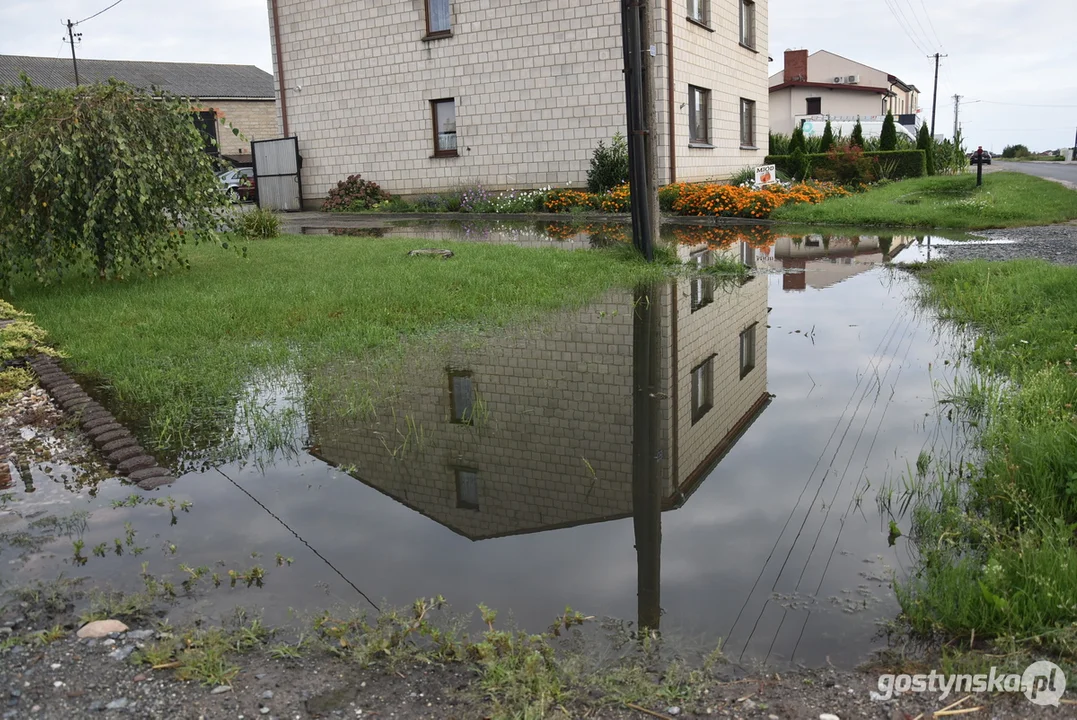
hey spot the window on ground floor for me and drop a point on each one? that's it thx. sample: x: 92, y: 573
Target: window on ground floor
x: 747, y: 350
x: 747, y: 123
x: 444, y: 127
x: 699, y: 115
x: 437, y: 17
x: 467, y: 488
x: 702, y: 286
x: 702, y: 389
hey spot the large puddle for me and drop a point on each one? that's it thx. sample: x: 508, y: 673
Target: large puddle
x: 701, y: 455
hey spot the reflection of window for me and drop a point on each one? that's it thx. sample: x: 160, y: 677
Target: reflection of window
x: 437, y: 17
x: 747, y: 350
x: 699, y: 10
x: 747, y: 255
x: 747, y: 23
x: 467, y: 489
x: 444, y: 127
x: 815, y: 106
x: 702, y: 389
x: 699, y: 114
x: 702, y: 286
x: 747, y: 123
x: 462, y: 396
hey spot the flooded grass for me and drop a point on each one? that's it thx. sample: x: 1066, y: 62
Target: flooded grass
x: 180, y: 347
x: 998, y: 557
x: 952, y: 202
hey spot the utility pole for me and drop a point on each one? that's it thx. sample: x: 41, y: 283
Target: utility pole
x: 71, y: 35
x: 639, y: 135
x: 957, y: 109
x: 650, y: 114
x: 935, y: 93
x: 1074, y: 156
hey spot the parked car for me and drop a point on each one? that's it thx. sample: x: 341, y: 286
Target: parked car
x: 986, y: 158
x: 239, y: 183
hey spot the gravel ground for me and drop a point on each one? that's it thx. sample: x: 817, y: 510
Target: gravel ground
x: 1054, y: 243
x: 84, y: 678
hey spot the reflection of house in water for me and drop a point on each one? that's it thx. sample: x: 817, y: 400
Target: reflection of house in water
x: 826, y: 260
x: 534, y: 430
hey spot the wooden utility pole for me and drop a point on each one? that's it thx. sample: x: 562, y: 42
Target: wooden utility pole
x: 71, y: 35
x: 935, y: 93
x: 957, y: 109
x: 650, y: 111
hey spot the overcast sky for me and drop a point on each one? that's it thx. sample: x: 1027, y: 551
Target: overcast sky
x: 1010, y: 55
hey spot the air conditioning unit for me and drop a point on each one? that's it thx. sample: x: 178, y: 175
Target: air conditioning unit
x: 839, y: 80
x: 852, y: 79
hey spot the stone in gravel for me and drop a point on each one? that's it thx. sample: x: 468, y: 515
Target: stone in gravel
x: 101, y: 628
x: 219, y: 689
x: 139, y: 678
x: 122, y: 653
x: 117, y: 704
x: 257, y: 676
x: 136, y: 463
x: 139, y: 634
x: 829, y: 716
x: 267, y: 695
x: 108, y: 641
x: 97, y: 706
x: 118, y: 456
x: 264, y: 711
x: 673, y: 710
x: 11, y: 714
x: 330, y: 700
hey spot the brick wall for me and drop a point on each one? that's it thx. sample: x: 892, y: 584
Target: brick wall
x: 535, y: 90
x: 256, y: 120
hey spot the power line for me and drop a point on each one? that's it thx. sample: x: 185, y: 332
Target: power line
x: 918, y: 24
x: 100, y: 12
x: 938, y: 40
x: 999, y: 102
x: 903, y: 23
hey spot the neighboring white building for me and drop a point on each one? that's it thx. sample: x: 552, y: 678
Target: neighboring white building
x: 430, y: 95
x: 825, y: 84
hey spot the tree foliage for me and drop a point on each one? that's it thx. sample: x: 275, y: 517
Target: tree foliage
x: 797, y: 141
x: 1015, y: 151
x: 925, y: 142
x: 888, y: 136
x: 609, y: 165
x: 827, y: 142
x: 105, y: 177
x: 857, y: 136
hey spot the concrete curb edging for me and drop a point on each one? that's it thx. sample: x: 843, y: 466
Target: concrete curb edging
x: 118, y: 446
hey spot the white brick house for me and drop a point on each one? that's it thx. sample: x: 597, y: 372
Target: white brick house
x: 522, y: 92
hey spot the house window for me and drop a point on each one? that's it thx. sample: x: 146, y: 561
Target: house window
x: 702, y: 286
x: 444, y: 127
x: 747, y: 123
x: 747, y: 350
x: 437, y: 18
x: 747, y: 23
x: 747, y: 255
x: 467, y: 489
x: 462, y: 397
x: 699, y: 11
x: 815, y: 106
x: 702, y: 389
x: 699, y: 115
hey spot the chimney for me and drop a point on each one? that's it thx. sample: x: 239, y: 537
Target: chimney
x: 796, y: 65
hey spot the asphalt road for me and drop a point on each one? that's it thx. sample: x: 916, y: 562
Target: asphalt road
x: 1067, y: 172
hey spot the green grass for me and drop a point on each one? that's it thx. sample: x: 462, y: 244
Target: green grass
x: 174, y: 352
x: 1007, y: 199
x: 999, y: 560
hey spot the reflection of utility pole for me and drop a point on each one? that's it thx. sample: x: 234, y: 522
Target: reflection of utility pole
x: 71, y: 35
x: 646, y: 488
x: 957, y: 109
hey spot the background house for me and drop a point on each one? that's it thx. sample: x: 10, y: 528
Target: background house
x: 242, y: 95
x: 825, y: 84
x: 437, y: 94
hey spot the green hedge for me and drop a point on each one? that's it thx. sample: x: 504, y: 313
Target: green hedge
x: 910, y: 163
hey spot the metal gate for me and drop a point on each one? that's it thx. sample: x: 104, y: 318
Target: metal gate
x: 277, y: 174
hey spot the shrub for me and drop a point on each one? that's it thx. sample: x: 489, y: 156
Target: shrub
x: 927, y: 144
x: 259, y: 223
x: 354, y: 194
x: 1015, y: 151
x: 799, y: 165
x: 779, y: 144
x: 910, y: 163
x: 848, y: 165
x: 102, y: 176
x: 888, y: 137
x: 617, y: 200
x: 796, y: 142
x: 827, y: 141
x: 609, y: 165
x: 668, y: 194
x: 857, y: 136
x: 745, y: 174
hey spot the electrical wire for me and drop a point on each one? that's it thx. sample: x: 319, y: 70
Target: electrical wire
x: 938, y: 40
x: 900, y: 17
x: 99, y: 12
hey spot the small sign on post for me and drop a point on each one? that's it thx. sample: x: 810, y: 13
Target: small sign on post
x: 766, y: 175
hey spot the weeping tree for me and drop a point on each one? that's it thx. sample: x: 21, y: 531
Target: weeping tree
x: 888, y: 137
x: 828, y: 138
x: 104, y: 177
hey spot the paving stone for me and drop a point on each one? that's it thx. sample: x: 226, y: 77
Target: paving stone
x: 118, y: 456
x: 117, y: 444
x: 104, y: 438
x: 63, y: 390
x: 75, y: 404
x: 95, y: 417
x: 50, y: 376
x: 147, y: 473
x: 136, y: 463
x: 155, y: 482
x: 100, y: 427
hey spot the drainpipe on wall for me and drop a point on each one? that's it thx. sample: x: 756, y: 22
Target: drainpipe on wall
x: 280, y: 69
x: 669, y: 93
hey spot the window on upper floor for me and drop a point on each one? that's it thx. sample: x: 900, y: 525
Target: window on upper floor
x: 815, y: 106
x: 699, y: 11
x: 437, y: 18
x: 747, y: 23
x: 699, y: 115
x: 747, y: 123
x: 444, y: 112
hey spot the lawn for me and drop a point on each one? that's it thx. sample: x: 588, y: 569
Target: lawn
x: 996, y: 540
x: 174, y: 352
x: 1006, y: 199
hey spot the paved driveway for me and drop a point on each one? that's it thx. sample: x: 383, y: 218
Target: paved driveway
x: 1064, y: 171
